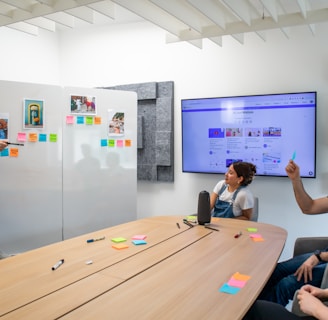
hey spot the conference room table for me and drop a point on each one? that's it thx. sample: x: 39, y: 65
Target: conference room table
x: 172, y: 271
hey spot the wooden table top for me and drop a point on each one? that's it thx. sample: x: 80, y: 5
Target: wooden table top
x: 176, y: 275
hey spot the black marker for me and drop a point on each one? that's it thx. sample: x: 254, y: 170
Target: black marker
x: 58, y: 264
x: 207, y: 227
x: 187, y: 223
x: 15, y: 144
x: 178, y: 225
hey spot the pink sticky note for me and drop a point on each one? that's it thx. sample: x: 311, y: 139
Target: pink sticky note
x: 69, y: 119
x: 21, y: 136
x: 139, y: 237
x: 119, y: 143
x: 236, y: 283
x: 255, y: 235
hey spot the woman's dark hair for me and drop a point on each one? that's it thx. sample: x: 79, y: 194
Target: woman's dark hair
x: 246, y: 170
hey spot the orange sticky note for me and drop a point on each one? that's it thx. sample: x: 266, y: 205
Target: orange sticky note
x: 120, y: 246
x: 258, y: 239
x: 97, y: 120
x: 241, y: 277
x: 33, y: 137
x: 13, y: 152
x: 128, y: 143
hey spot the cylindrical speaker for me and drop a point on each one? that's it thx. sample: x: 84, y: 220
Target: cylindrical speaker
x: 204, y: 212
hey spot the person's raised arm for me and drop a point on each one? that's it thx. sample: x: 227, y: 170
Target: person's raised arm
x: 304, y: 201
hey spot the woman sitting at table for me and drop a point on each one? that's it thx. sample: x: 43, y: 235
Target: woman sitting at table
x: 231, y: 197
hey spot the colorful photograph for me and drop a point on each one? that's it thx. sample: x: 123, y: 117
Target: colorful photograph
x: 4, y: 125
x: 83, y: 105
x: 33, y: 117
x: 115, y: 123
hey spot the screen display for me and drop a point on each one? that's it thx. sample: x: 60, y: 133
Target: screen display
x: 267, y: 130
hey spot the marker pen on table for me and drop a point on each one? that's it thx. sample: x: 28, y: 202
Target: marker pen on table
x: 208, y: 227
x: 238, y: 234
x: 178, y: 225
x: 97, y: 239
x: 58, y: 264
x: 185, y: 221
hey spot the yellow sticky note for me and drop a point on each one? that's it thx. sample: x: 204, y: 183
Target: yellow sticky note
x: 119, y: 239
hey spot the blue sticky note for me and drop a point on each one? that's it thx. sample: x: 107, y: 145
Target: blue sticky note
x: 138, y: 242
x: 79, y: 120
x: 4, y: 153
x: 103, y: 142
x: 42, y: 137
x: 229, y: 289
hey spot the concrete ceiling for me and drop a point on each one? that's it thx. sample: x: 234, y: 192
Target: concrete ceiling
x: 183, y: 20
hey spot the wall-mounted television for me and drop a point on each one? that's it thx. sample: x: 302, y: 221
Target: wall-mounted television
x: 267, y: 130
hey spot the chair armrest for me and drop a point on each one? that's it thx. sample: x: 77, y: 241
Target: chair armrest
x: 309, y: 244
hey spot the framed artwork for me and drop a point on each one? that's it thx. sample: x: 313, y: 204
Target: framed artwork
x: 4, y: 126
x: 33, y: 114
x: 83, y: 105
x: 115, y: 123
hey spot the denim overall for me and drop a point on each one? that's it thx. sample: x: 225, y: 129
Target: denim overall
x: 223, y: 209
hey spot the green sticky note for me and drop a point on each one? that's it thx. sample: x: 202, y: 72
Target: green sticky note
x: 252, y: 229
x: 111, y: 143
x: 118, y: 239
x: 53, y: 137
x: 88, y: 120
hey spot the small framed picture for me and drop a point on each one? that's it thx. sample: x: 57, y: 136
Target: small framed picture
x: 4, y: 126
x: 115, y: 123
x: 83, y: 105
x: 33, y: 114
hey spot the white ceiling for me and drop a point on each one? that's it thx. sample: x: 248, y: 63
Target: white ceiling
x: 183, y: 20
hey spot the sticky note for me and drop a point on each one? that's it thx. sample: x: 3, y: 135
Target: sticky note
x: 139, y: 237
x: 53, y: 137
x: 128, y: 143
x: 4, y: 153
x: 118, y: 239
x: 103, y: 142
x: 236, y: 283
x: 97, y: 120
x: 240, y: 276
x: 138, y: 242
x: 120, y: 246
x: 119, y: 143
x: 42, y: 137
x: 192, y: 218
x: 258, y: 239
x: 69, y: 119
x: 89, y: 120
x: 32, y: 137
x: 251, y: 229
x: 229, y: 289
x: 79, y: 120
x: 13, y: 152
x: 111, y: 143
x: 21, y: 136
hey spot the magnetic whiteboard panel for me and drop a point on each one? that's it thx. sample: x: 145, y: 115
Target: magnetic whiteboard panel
x: 31, y: 183
x: 99, y: 182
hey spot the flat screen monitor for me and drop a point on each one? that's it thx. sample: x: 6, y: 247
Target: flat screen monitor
x: 267, y: 130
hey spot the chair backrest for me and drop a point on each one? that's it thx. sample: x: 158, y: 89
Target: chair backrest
x: 255, y: 214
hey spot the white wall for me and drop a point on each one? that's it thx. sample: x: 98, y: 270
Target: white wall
x: 106, y: 56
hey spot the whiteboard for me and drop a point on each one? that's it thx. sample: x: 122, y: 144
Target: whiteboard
x: 44, y: 197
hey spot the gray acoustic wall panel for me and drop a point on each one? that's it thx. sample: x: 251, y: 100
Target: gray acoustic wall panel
x: 155, y: 129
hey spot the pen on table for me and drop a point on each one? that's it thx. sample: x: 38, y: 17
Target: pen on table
x: 15, y: 144
x: 178, y: 225
x: 97, y: 239
x: 185, y: 221
x: 208, y: 227
x: 238, y: 234
x: 58, y: 264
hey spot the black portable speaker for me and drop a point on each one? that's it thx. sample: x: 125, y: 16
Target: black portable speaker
x: 203, y: 212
